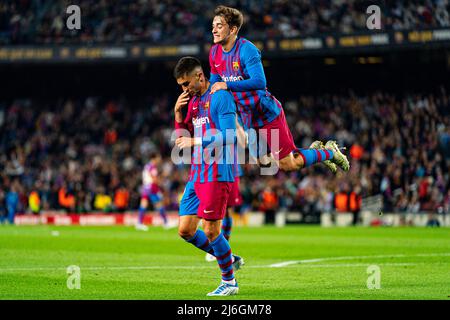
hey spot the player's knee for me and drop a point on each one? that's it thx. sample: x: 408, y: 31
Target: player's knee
x: 143, y: 204
x: 185, y: 232
x: 211, y: 234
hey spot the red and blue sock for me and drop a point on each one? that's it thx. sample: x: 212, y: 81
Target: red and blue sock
x: 141, y: 215
x: 227, y: 223
x: 201, y: 241
x: 312, y: 156
x: 162, y: 213
x: 222, y: 251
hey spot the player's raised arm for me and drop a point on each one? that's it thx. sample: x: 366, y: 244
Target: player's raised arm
x: 182, y: 101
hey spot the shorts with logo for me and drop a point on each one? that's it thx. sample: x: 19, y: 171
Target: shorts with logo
x: 207, y: 200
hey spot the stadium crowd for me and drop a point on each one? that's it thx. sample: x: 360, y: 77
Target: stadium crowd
x: 175, y: 21
x: 87, y: 154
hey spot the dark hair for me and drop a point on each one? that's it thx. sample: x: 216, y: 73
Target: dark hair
x: 232, y: 16
x: 154, y: 155
x: 185, y: 66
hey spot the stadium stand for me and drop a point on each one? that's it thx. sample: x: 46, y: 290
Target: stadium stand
x: 159, y: 22
x: 46, y: 149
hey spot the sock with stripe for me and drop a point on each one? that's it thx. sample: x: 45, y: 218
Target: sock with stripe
x: 227, y: 223
x: 141, y: 215
x: 201, y: 241
x: 162, y: 212
x: 222, y: 251
x: 312, y: 156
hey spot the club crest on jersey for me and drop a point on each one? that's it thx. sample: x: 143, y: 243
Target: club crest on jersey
x: 236, y: 65
x: 206, y: 106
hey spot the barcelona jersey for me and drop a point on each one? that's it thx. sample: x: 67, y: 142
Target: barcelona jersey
x: 241, y: 68
x: 209, y: 117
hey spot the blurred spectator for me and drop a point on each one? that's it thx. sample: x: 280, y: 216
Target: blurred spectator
x: 66, y: 200
x: 34, y: 202
x: 341, y: 201
x: 102, y: 200
x: 355, y: 203
x: 3, y: 212
x: 12, y: 202
x: 269, y: 204
x: 121, y: 199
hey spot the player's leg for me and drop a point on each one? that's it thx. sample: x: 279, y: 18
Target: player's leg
x: 143, y: 205
x: 11, y: 214
x: 303, y: 158
x: 188, y: 226
x: 213, y: 205
x: 283, y: 149
x: 158, y: 203
x: 227, y: 223
x: 234, y: 200
x: 188, y: 230
x: 223, y: 253
x: 225, y: 229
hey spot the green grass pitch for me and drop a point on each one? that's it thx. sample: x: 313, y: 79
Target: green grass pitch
x: 122, y: 263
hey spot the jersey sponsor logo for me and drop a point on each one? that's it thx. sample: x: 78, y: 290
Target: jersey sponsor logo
x: 198, y: 122
x: 232, y: 78
x: 217, y: 65
x: 208, y: 211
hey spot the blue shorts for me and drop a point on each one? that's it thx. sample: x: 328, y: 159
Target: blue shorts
x: 153, y: 197
x: 189, y: 202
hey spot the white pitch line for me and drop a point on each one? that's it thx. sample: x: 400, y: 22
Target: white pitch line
x: 303, y: 263
x: 288, y: 263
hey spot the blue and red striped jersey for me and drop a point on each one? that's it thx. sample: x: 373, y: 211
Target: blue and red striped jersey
x: 241, y: 68
x: 207, y: 116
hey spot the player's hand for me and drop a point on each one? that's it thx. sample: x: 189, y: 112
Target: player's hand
x: 184, y: 142
x: 182, y: 100
x: 219, y: 86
